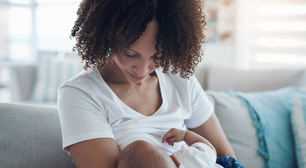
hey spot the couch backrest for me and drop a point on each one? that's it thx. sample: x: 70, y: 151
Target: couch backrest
x: 212, y: 78
x: 222, y: 78
x: 31, y: 137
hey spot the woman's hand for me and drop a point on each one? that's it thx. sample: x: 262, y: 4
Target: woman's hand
x: 174, y: 135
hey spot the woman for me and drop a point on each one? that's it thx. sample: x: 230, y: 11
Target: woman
x: 126, y: 93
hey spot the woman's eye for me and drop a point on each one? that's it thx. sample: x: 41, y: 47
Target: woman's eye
x: 130, y: 55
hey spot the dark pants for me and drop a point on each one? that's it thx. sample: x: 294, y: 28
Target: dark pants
x: 228, y: 162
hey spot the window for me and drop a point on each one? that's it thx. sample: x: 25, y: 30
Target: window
x: 54, y: 28
x: 28, y: 26
x: 272, y: 33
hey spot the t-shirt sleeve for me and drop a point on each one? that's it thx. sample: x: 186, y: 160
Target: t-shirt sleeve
x: 81, y: 118
x: 201, y: 107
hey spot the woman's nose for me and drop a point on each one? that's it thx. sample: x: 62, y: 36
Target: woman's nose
x: 143, y: 67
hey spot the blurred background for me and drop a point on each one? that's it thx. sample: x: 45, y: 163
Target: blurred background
x: 242, y: 34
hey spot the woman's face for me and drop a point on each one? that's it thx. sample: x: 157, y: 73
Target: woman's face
x: 137, y: 62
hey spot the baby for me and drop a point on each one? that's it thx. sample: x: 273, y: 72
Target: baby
x: 198, y: 153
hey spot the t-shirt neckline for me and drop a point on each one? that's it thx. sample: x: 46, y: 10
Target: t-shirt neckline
x: 128, y: 107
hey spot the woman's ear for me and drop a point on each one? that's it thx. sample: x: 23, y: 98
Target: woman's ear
x: 177, y: 162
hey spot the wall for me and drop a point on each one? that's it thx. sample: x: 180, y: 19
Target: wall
x: 219, y: 55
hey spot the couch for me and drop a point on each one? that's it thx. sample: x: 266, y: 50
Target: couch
x: 212, y: 78
x: 31, y: 135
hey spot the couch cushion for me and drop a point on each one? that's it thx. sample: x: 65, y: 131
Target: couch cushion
x: 302, y: 80
x: 298, y: 125
x: 30, y: 102
x: 31, y: 137
x: 238, y: 126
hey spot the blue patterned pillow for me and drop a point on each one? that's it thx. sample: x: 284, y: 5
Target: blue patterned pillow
x: 298, y: 125
x: 50, y: 74
x: 271, y: 111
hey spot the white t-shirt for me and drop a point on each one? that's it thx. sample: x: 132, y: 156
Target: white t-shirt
x: 89, y: 109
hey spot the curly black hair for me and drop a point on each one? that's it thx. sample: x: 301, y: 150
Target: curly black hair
x: 103, y: 26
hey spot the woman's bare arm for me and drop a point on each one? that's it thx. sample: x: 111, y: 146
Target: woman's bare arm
x: 213, y: 132
x: 95, y: 153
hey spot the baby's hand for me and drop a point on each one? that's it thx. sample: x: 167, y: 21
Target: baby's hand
x: 174, y: 135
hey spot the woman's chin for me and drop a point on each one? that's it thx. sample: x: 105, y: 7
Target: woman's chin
x: 136, y: 80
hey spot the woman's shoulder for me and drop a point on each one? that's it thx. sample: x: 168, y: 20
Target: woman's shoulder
x: 85, y: 79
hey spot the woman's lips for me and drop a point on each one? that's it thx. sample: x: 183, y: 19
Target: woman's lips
x: 137, y: 77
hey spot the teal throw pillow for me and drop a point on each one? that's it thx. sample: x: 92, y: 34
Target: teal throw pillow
x: 270, y: 111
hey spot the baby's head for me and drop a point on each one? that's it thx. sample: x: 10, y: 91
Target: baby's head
x: 142, y: 154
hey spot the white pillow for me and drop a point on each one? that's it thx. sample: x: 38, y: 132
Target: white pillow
x: 298, y: 125
x: 50, y: 74
x: 238, y: 127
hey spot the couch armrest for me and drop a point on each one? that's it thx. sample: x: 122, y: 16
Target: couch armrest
x: 28, y: 144
x: 22, y: 81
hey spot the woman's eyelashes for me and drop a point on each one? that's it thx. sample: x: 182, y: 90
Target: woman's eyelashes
x: 130, y: 55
